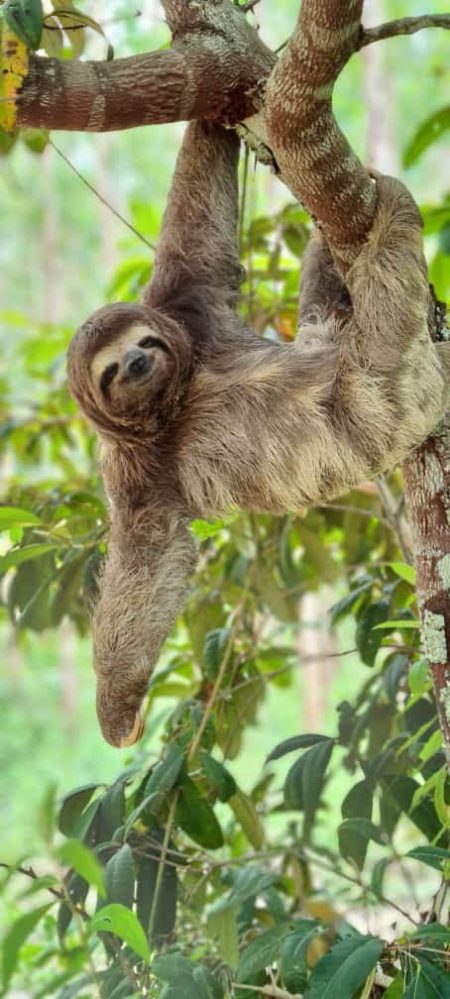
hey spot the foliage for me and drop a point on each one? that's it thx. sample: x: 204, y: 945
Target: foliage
x: 175, y: 880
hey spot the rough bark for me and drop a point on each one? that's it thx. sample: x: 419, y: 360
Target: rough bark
x: 213, y: 70
x: 322, y: 170
x: 427, y: 490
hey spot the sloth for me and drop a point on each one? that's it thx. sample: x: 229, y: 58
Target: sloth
x: 197, y: 415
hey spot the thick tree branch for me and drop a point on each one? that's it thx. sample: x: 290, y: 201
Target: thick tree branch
x: 427, y: 491
x: 214, y: 70
x: 405, y: 26
x: 314, y: 156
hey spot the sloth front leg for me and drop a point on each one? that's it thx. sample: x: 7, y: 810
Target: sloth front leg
x: 142, y: 591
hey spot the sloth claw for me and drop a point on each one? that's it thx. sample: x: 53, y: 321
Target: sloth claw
x: 136, y: 732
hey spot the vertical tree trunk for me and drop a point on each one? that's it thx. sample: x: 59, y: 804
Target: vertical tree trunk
x: 427, y: 490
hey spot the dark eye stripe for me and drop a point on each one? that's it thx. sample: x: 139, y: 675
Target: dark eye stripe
x: 108, y: 376
x: 153, y: 341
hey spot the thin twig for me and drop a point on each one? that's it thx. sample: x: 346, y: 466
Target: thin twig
x: 100, y: 197
x: 404, y: 26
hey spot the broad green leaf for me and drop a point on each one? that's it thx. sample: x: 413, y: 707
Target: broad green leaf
x: 218, y: 776
x: 84, y: 862
x: 345, y: 968
x: 162, y: 779
x: 432, y: 856
x: 204, y: 529
x: 399, y: 625
x: 432, y: 931
x: 404, y: 571
x: 296, y: 742
x: 124, y: 924
x: 120, y: 877
x: 16, y: 937
x: 261, y: 952
x: 13, y: 516
x: 248, y: 818
x: 293, y: 958
x: 356, y: 805
x: 215, y: 648
x: 196, y: 817
x: 25, y: 17
x: 396, y: 989
x: 428, y: 981
x: 21, y: 555
x: 305, y: 781
x: 378, y: 872
x: 370, y: 619
x: 165, y: 913
x: 73, y: 807
x: 353, y: 835
x: 222, y: 924
x: 428, y: 132
x: 419, y: 678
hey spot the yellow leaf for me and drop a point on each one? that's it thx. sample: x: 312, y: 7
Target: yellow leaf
x: 14, y: 68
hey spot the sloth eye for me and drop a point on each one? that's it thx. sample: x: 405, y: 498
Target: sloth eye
x: 108, y: 376
x: 152, y: 341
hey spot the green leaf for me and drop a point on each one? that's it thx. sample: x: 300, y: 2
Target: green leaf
x: 296, y: 742
x: 216, y: 645
x: 399, y: 625
x: 21, y: 555
x: 419, y: 678
x: 165, y: 915
x: 222, y: 924
x: 84, y: 862
x: 345, y: 968
x: 396, y: 989
x: 218, y: 776
x: 404, y: 571
x: 14, y: 516
x: 428, y: 132
x: 357, y: 804
x: 428, y: 982
x: 204, y: 529
x: 368, y: 640
x: 124, y: 924
x: 353, y: 837
x: 261, y: 952
x: 72, y: 809
x: 305, y: 781
x: 248, y: 818
x: 293, y: 958
x: 432, y: 931
x: 196, y: 817
x: 16, y: 937
x: 25, y: 18
x: 162, y: 779
x: 432, y: 856
x: 120, y: 877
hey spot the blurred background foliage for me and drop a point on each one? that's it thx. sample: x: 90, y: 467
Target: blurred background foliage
x: 299, y: 628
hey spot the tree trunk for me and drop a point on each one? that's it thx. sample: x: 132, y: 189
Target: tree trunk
x: 427, y: 490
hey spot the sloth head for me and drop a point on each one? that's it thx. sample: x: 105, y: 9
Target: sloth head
x: 127, y: 364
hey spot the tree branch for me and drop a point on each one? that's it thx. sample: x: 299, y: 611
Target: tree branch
x: 405, y: 26
x: 213, y: 70
x: 314, y: 156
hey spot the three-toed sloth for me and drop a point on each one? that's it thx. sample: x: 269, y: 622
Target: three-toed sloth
x: 196, y: 414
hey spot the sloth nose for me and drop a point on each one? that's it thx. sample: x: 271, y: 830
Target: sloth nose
x: 135, y: 361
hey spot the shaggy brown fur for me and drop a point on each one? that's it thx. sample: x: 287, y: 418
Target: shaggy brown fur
x: 219, y: 418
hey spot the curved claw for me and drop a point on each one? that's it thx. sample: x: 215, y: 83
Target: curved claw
x: 136, y: 732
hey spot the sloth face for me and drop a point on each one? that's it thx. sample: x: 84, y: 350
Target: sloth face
x: 127, y: 373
